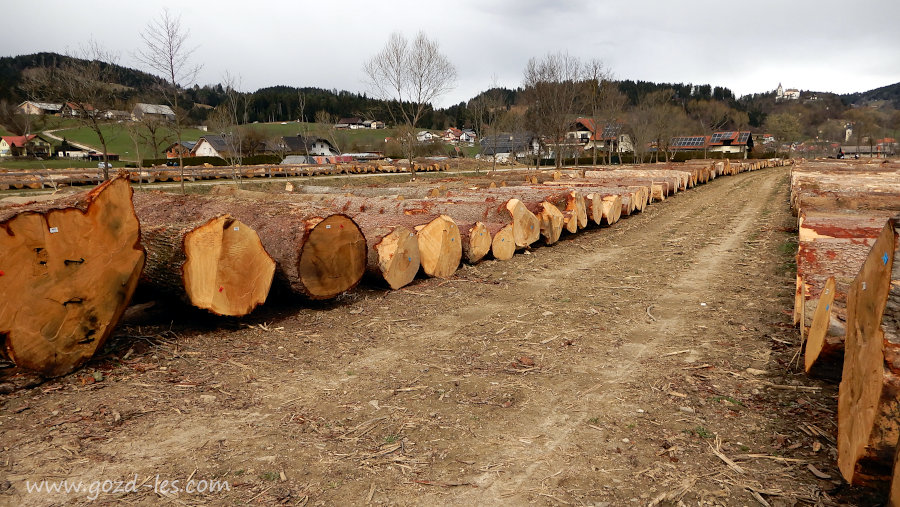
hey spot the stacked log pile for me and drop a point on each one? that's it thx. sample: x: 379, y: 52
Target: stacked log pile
x: 841, y: 207
x: 848, y: 306
x: 76, y: 260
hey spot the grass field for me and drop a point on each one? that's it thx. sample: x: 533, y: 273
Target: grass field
x: 119, y: 141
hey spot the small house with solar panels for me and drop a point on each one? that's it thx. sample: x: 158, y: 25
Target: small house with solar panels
x: 719, y: 142
x: 731, y: 142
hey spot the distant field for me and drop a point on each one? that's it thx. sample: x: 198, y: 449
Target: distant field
x: 4, y: 132
x: 119, y: 142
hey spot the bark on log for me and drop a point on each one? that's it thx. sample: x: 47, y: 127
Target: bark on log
x: 869, y: 395
x: 319, y: 254
x: 435, y: 258
x: 67, y: 272
x: 213, y: 262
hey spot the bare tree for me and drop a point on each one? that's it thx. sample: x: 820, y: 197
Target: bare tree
x: 166, y: 51
x: 612, y: 104
x: 486, y: 112
x: 410, y: 76
x: 596, y: 88
x: 712, y: 115
x: 83, y: 83
x: 552, y: 85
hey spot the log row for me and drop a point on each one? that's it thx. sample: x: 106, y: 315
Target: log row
x: 74, y: 262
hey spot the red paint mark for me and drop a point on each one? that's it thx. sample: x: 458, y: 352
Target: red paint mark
x: 1, y: 272
x: 342, y: 226
x: 221, y: 289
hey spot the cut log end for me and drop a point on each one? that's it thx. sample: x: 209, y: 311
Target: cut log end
x: 72, y: 271
x: 503, y: 245
x: 440, y: 247
x: 333, y: 259
x: 869, y: 396
x: 815, y: 339
x: 227, y: 271
x: 397, y: 257
x: 526, y: 227
x: 477, y: 243
x: 612, y: 209
x: 551, y: 219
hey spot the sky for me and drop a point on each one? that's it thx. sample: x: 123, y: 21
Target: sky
x: 749, y: 47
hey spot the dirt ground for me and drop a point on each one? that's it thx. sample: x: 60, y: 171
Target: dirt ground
x: 647, y: 363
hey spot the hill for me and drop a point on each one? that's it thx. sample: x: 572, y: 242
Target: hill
x: 136, y: 83
x: 889, y: 93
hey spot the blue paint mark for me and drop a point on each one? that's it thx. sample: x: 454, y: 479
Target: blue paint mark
x: 827, y: 307
x: 884, y: 258
x: 452, y: 239
x: 409, y: 259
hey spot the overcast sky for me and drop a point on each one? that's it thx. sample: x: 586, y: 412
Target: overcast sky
x: 747, y: 46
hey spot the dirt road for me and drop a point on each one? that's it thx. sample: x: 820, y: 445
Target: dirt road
x: 621, y: 366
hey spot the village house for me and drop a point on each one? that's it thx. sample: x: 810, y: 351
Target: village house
x: 30, y: 107
x: 306, y: 146
x: 213, y: 145
x: 731, y: 142
x: 77, y: 110
x: 152, y: 111
x: 32, y: 145
x: 451, y: 135
x: 718, y: 142
x: 352, y: 123
x: 506, y: 146
x: 185, y: 148
x: 424, y: 136
x: 611, y: 139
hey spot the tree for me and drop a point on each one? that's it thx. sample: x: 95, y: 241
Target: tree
x: 612, y: 103
x: 785, y: 128
x: 596, y: 88
x: 166, y: 51
x: 711, y: 115
x: 486, y: 111
x: 410, y: 75
x: 84, y: 84
x: 552, y: 87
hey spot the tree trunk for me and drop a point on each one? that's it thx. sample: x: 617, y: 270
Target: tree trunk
x: 320, y: 254
x: 213, y: 262
x: 68, y: 269
x: 869, y: 396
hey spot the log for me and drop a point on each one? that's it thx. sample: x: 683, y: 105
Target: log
x: 869, y: 394
x: 503, y: 243
x: 476, y: 241
x: 213, y: 262
x: 319, y: 254
x: 393, y: 254
x: 68, y: 269
x: 440, y: 247
x: 380, y: 213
